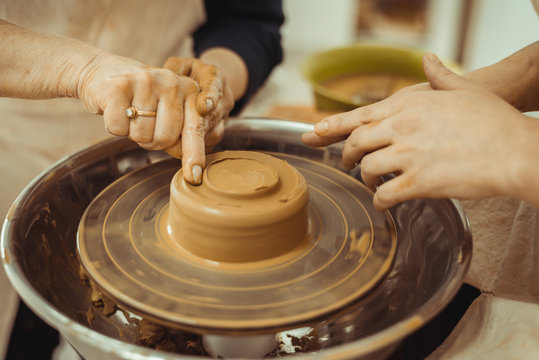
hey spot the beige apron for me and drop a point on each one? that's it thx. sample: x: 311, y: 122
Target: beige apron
x: 503, y: 322
x: 36, y: 133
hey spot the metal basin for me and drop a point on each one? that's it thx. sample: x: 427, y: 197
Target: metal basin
x: 39, y: 252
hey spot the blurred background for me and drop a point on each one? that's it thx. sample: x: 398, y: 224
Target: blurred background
x: 472, y: 33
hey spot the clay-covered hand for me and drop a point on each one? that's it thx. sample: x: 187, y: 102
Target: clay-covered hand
x: 205, y: 114
x: 112, y: 83
x: 456, y: 141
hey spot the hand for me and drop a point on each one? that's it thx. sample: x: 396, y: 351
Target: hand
x: 456, y: 141
x: 113, y: 83
x: 205, y: 114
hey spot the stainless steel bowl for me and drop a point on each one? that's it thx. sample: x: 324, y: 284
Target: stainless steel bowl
x: 39, y: 252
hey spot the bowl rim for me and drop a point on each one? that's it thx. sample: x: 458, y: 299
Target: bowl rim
x: 317, y: 87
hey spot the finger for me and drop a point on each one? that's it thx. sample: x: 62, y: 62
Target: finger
x: 345, y: 123
x: 186, y: 89
x: 116, y: 121
x: 168, y: 123
x: 378, y: 163
x: 365, y: 139
x: 141, y: 128
x: 215, y: 117
x: 116, y: 101
x: 224, y: 105
x: 401, y: 188
x: 215, y: 125
x: 193, y: 134
x: 214, y: 136
x: 440, y: 77
x: 312, y: 139
x: 211, y: 88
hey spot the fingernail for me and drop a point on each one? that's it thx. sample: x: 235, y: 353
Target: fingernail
x: 197, y: 174
x: 321, y: 127
x: 209, y: 104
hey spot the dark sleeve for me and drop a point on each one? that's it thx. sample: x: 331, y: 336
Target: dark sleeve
x: 251, y: 29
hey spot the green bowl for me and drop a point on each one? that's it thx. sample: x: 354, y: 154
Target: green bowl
x: 356, y: 59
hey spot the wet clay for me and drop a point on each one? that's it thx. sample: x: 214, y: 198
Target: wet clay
x: 250, y: 206
x: 132, y: 251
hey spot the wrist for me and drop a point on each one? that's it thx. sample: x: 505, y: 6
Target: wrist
x: 515, y: 78
x: 76, y: 69
x: 232, y: 66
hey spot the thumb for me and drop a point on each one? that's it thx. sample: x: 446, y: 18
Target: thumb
x: 181, y: 66
x: 440, y: 77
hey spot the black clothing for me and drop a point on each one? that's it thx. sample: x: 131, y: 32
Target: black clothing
x: 251, y: 29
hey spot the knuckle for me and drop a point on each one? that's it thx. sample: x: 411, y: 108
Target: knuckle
x: 205, y: 69
x: 405, y: 125
x: 144, y: 77
x: 213, y: 70
x: 355, y: 138
x: 172, y: 89
x: 337, y: 121
x: 188, y: 85
x: 165, y: 140
x: 365, y: 112
x: 367, y: 165
x: 195, y: 130
x: 352, y: 143
x: 167, y: 73
x: 384, y: 195
x: 412, y: 99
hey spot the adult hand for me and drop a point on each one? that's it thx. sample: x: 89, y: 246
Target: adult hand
x: 111, y: 84
x: 205, y: 114
x: 456, y: 141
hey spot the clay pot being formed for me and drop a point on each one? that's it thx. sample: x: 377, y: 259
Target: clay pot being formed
x: 250, y: 206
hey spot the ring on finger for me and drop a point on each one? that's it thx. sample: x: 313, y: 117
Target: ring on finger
x: 132, y: 112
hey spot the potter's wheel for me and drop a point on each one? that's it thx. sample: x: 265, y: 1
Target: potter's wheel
x: 125, y: 251
x: 40, y: 256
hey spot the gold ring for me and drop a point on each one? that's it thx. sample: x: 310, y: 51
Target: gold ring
x: 132, y: 112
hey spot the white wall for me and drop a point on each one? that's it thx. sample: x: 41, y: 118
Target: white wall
x: 501, y: 27
x: 313, y: 25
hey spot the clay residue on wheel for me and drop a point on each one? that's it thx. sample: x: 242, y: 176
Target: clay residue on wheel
x: 250, y: 206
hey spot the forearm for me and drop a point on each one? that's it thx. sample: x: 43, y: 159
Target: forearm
x: 233, y: 68
x: 515, y: 78
x: 522, y: 168
x: 40, y: 66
